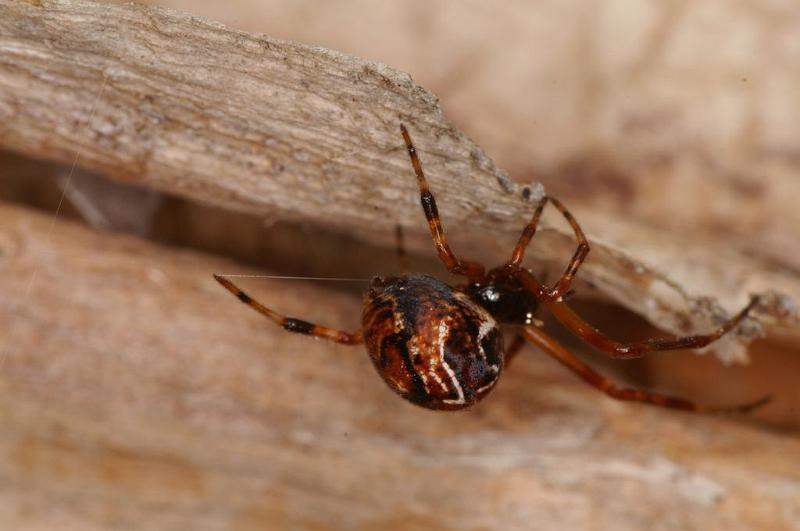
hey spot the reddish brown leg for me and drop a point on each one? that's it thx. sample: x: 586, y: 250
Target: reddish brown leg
x: 590, y: 376
x: 472, y: 270
x: 290, y: 324
x: 563, y: 285
x: 402, y: 256
x: 527, y: 234
x: 615, y: 349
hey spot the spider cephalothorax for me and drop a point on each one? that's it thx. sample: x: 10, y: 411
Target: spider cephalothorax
x: 441, y: 347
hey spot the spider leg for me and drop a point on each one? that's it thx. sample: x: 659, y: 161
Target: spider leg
x: 289, y: 323
x: 527, y: 234
x: 590, y: 376
x: 472, y: 270
x: 615, y: 349
x: 562, y: 286
x: 402, y: 256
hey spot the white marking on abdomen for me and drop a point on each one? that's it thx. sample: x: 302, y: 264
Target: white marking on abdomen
x: 436, y: 377
x: 443, y: 329
x: 483, y: 331
x: 485, y: 328
x: 487, y: 386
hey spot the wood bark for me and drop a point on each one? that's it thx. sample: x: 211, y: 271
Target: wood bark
x: 682, y: 116
x: 138, y: 394
x: 252, y: 123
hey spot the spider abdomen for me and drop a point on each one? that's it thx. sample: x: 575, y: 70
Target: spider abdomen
x: 431, y: 344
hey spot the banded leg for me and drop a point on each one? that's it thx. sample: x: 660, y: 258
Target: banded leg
x: 590, y: 376
x: 615, y: 349
x: 402, y: 256
x: 472, y: 270
x: 562, y: 286
x: 291, y: 324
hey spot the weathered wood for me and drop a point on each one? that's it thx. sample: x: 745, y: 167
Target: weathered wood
x: 137, y: 394
x: 252, y: 123
x: 188, y: 106
x: 608, y: 104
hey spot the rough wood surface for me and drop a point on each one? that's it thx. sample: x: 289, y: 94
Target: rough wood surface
x: 253, y: 123
x: 231, y: 423
x: 610, y: 105
x: 191, y: 107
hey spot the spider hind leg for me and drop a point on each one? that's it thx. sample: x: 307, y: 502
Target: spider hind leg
x: 290, y: 324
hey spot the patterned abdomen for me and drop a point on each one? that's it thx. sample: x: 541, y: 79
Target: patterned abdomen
x: 430, y: 343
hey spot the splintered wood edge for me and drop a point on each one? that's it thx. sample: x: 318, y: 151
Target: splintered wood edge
x: 279, y: 129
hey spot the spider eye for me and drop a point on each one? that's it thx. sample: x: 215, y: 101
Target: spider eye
x: 492, y: 295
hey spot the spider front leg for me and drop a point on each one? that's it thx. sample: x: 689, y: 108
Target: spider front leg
x: 615, y: 349
x: 291, y: 324
x: 562, y: 286
x: 590, y: 376
x: 472, y: 270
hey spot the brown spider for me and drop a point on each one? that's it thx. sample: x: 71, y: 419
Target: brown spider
x: 440, y: 346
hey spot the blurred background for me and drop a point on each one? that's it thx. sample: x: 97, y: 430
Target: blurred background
x: 679, y: 117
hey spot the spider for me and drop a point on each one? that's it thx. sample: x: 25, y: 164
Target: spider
x: 440, y: 346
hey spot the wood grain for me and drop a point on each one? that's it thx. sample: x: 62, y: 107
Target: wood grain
x: 247, y: 122
x: 138, y: 394
x: 186, y: 105
x: 609, y: 104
